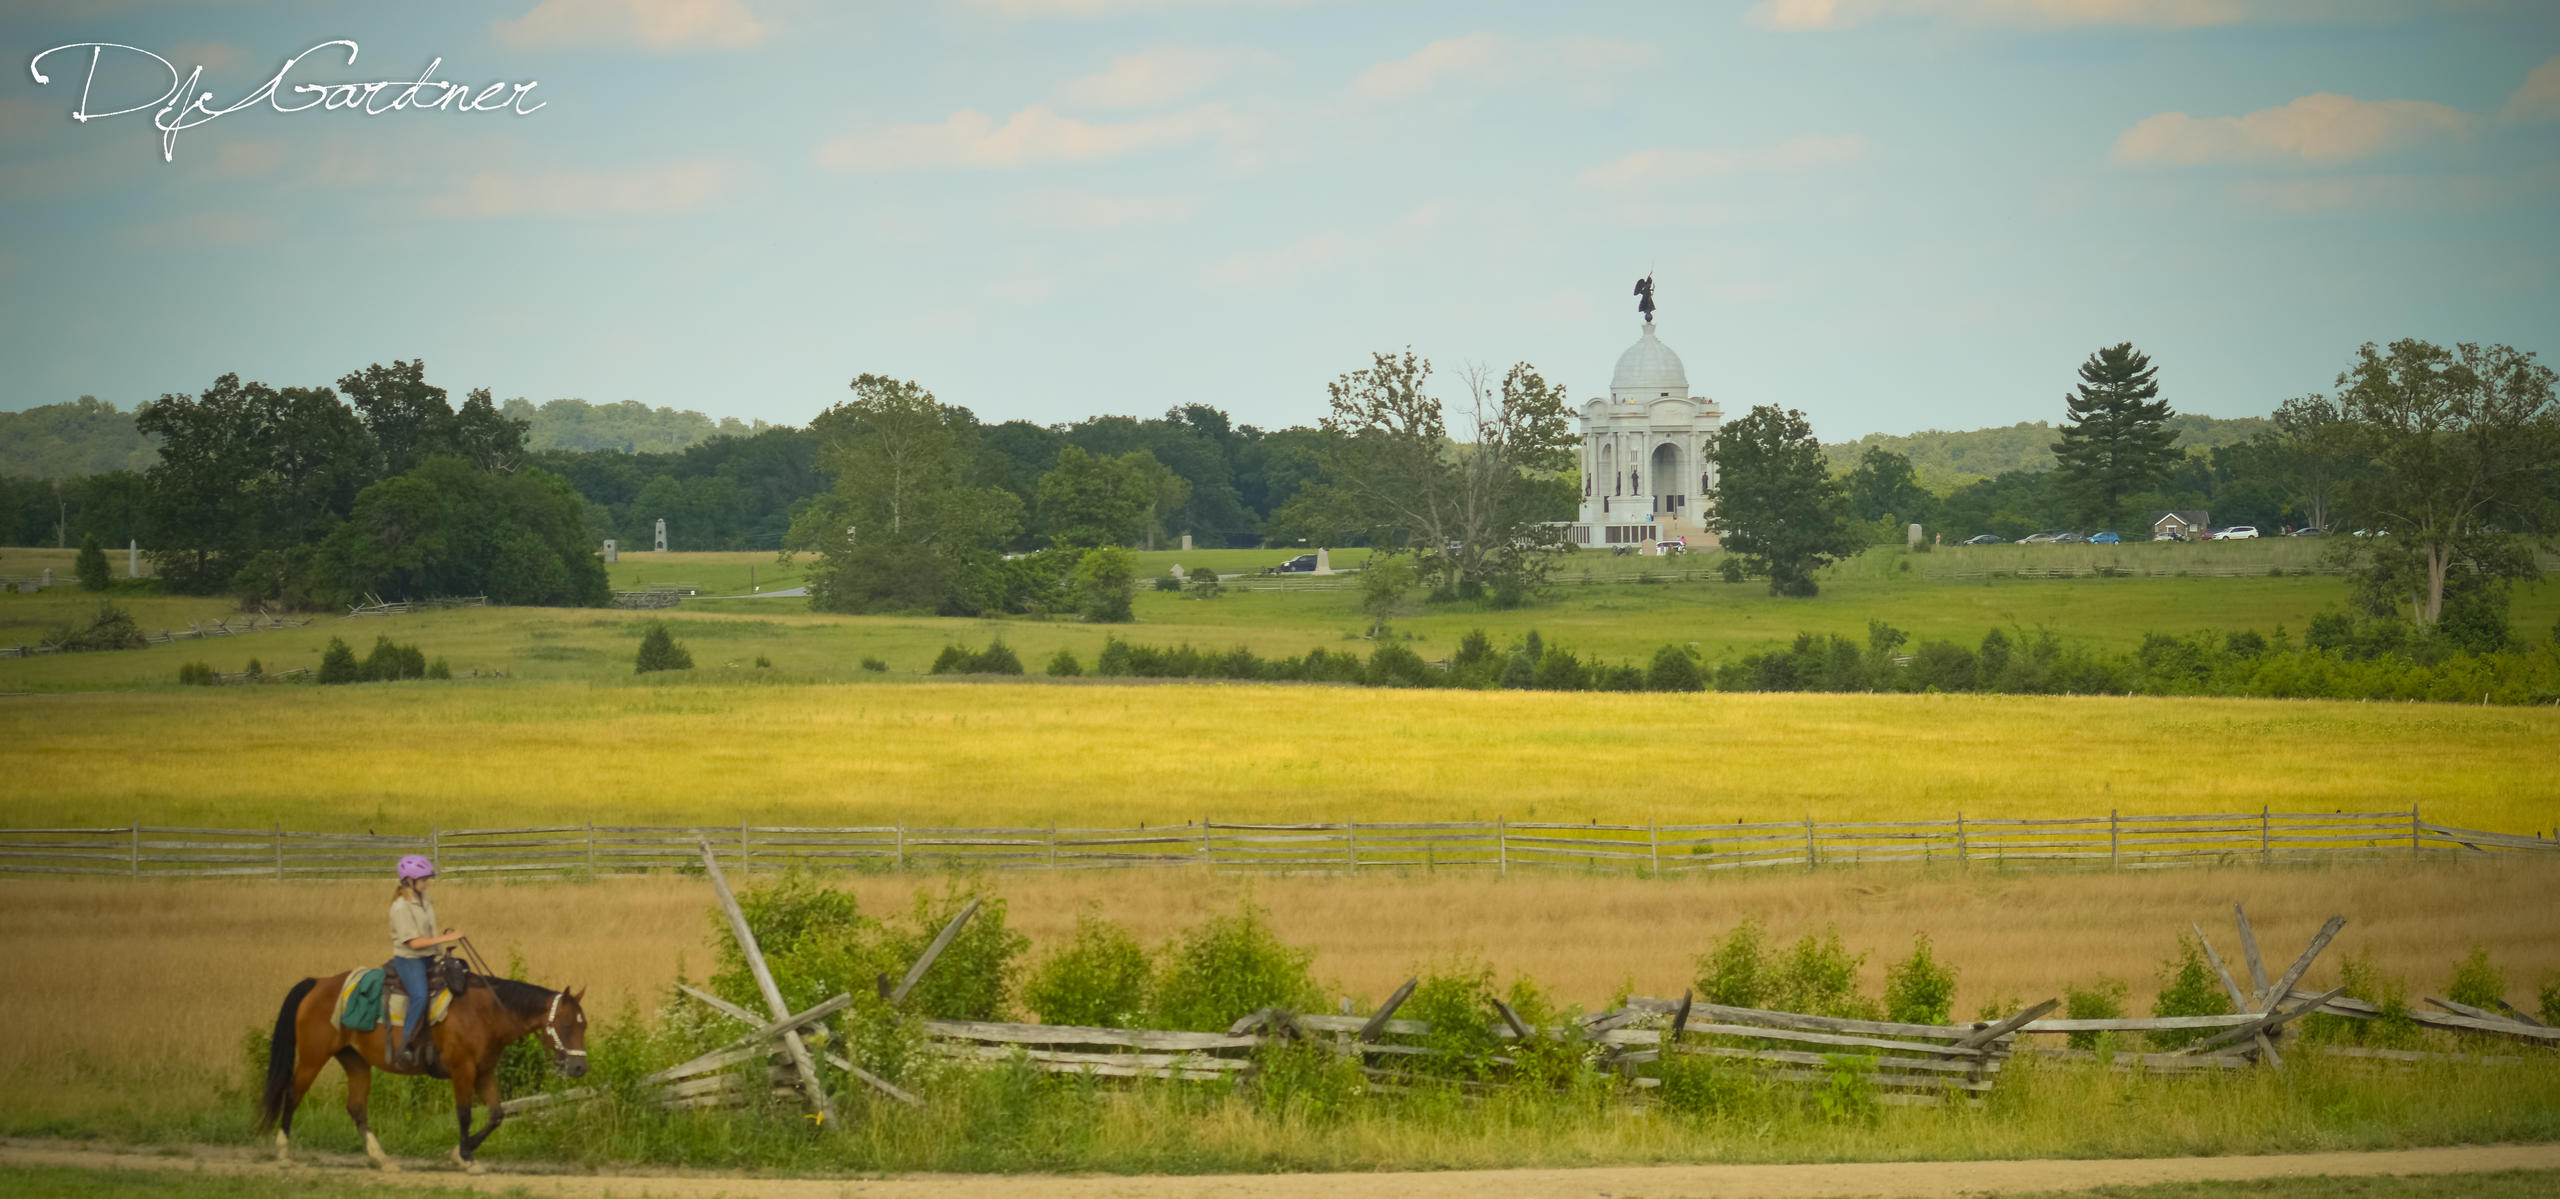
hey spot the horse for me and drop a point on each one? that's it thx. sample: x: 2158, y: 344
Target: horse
x: 484, y: 1018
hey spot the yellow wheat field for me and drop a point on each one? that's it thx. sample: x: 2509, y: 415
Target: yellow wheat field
x: 158, y: 981
x: 397, y: 757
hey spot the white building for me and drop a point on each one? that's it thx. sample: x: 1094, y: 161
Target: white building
x: 1645, y: 476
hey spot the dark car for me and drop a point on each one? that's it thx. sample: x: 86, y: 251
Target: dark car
x: 2068, y: 539
x: 2305, y: 531
x: 1984, y: 539
x: 1302, y: 564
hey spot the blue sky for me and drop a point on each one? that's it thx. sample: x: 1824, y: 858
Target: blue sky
x: 1893, y: 214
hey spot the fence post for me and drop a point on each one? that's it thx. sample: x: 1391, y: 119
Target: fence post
x: 2266, y: 843
x: 2115, y: 859
x: 435, y: 844
x: 1502, y: 845
x: 746, y: 852
x: 1205, y: 855
x: 134, y: 862
x: 900, y: 829
x: 591, y: 849
x: 279, y: 827
x: 1959, y: 836
x: 2414, y: 851
x: 1053, y: 845
x: 1653, y: 844
x: 1808, y: 841
x: 1351, y: 844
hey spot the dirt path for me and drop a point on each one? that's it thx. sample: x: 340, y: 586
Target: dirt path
x: 1904, y: 1180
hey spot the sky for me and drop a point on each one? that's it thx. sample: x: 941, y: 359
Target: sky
x: 1891, y: 214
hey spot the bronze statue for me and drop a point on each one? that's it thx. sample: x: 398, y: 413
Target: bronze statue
x: 1644, y: 301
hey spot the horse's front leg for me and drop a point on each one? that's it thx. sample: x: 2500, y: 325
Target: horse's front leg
x: 488, y: 1099
x: 466, y: 1080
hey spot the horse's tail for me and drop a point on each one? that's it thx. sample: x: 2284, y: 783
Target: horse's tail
x: 280, y: 1056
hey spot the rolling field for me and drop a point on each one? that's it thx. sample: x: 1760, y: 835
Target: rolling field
x: 103, y: 1035
x: 724, y: 749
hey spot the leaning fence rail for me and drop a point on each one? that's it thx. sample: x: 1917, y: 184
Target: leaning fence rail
x: 2113, y: 841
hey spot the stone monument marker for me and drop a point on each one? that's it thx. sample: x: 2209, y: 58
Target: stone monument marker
x: 661, y: 547
x: 611, y: 555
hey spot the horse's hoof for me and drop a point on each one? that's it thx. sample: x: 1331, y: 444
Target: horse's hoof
x: 475, y: 1168
x: 456, y: 1155
x: 386, y: 1165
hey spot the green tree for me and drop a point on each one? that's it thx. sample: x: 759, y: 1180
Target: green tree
x: 2116, y: 441
x: 409, y: 418
x: 2313, y: 452
x: 1479, y: 508
x: 2459, y: 445
x: 1777, y: 508
x: 902, y: 526
x: 1384, y: 585
x: 659, y: 650
x: 447, y: 528
x: 1107, y: 585
x: 1085, y: 501
x: 1882, y: 484
x: 91, y: 566
x: 338, y: 663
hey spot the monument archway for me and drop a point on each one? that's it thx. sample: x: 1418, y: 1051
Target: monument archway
x: 1667, y: 476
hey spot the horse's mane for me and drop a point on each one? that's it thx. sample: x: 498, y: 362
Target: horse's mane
x: 522, y: 998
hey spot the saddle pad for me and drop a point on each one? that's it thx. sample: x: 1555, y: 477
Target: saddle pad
x: 364, y: 1001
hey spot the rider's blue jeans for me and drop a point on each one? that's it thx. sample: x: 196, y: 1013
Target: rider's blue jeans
x: 413, y: 979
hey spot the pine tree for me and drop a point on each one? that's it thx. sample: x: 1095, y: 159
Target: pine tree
x: 91, y: 566
x: 2116, y: 441
x: 659, y: 651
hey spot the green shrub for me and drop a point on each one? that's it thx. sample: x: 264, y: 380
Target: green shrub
x: 1455, y: 999
x: 1621, y: 677
x: 254, y: 670
x: 91, y: 566
x: 763, y: 662
x: 1168, y: 583
x: 1099, y: 979
x: 1673, y: 670
x: 1737, y: 972
x: 1709, y: 1086
x: 1063, y: 664
x: 2188, y: 987
x: 438, y: 670
x: 2364, y: 979
x: 1817, y: 977
x: 1560, y: 670
x: 1228, y: 967
x: 1205, y: 584
x: 1730, y: 570
x: 110, y: 627
x: 338, y: 663
x: 1105, y: 585
x: 2550, y: 998
x: 997, y: 658
x: 1917, y: 990
x: 659, y: 650
x: 875, y: 665
x: 1394, y: 665
x: 2103, y: 999
x: 1848, y: 1091
x: 2475, y: 982
x: 195, y: 674
x: 973, y: 979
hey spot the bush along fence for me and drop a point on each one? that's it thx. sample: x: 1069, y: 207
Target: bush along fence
x: 2112, y: 841
x: 1651, y: 1048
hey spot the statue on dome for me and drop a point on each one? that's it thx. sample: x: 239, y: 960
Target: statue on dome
x: 1644, y: 301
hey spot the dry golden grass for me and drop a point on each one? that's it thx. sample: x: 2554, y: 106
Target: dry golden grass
x: 159, y: 980
x: 395, y: 757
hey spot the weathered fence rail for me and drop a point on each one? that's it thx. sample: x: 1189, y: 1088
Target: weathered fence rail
x: 2113, y: 841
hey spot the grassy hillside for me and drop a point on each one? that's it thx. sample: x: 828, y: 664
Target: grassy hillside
x: 1947, y: 460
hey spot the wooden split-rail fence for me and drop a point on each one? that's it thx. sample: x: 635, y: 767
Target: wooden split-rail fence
x: 259, y: 622
x: 1900, y: 1063
x: 2112, y: 841
x: 377, y: 606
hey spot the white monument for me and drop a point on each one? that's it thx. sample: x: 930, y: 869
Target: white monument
x: 661, y: 547
x: 1645, y: 477
x: 610, y: 554
x: 132, y: 558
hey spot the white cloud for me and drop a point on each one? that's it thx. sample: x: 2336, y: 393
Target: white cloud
x: 1810, y: 15
x: 1273, y: 267
x: 2313, y: 195
x: 2539, y: 98
x: 1156, y: 76
x: 655, y: 188
x: 969, y: 138
x: 1670, y: 166
x: 1086, y: 9
x: 2324, y: 128
x: 1087, y: 212
x: 661, y: 25
x: 1487, y: 59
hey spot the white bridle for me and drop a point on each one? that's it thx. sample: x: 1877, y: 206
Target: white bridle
x: 551, y: 1029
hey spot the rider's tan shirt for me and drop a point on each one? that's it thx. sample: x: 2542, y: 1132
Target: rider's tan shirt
x: 412, y: 918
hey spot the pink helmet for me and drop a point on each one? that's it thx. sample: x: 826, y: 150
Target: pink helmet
x: 416, y: 866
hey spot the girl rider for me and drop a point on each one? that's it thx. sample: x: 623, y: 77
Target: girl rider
x: 414, y: 941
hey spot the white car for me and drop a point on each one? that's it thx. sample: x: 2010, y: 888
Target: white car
x: 2237, y: 533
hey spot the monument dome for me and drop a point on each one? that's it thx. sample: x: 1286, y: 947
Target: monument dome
x: 1648, y: 370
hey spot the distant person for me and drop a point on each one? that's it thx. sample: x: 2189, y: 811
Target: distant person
x: 414, y: 941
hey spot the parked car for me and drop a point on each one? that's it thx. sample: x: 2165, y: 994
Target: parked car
x: 2107, y: 538
x: 1302, y: 564
x: 2047, y: 538
x: 2304, y: 531
x: 2237, y: 533
x: 1984, y: 539
x: 2068, y: 539
x: 2373, y: 532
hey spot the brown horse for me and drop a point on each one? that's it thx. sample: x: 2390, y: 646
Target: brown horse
x: 486, y: 1017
